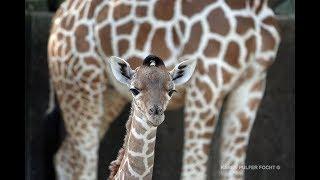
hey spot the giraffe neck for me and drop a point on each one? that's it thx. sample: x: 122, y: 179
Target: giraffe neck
x: 138, y: 158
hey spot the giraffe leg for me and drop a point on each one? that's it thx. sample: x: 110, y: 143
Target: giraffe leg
x: 68, y: 153
x: 238, y: 117
x: 78, y: 156
x: 80, y: 97
x: 201, y: 112
x: 75, y: 160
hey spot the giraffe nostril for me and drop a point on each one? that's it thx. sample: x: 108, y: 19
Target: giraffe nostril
x: 151, y: 111
x: 155, y: 111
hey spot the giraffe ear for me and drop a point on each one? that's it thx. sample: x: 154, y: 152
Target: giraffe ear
x: 121, y: 70
x: 183, y: 71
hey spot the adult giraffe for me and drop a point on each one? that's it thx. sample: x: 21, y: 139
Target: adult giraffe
x: 234, y: 42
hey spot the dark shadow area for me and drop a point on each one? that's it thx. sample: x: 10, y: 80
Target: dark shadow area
x: 53, y: 139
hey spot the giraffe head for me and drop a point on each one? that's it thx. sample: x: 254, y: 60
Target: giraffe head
x: 151, y: 84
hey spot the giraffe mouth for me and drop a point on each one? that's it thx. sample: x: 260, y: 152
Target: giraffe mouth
x: 155, y: 120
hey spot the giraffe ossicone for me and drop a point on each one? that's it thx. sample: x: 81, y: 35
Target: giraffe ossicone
x: 152, y: 86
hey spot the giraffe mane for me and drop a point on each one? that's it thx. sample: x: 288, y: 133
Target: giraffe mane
x: 115, y: 165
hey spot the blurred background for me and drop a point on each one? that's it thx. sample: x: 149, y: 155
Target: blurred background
x: 272, y: 137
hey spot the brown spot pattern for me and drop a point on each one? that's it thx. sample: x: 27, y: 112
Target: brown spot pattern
x: 226, y: 76
x: 249, y: 72
x: 244, y: 120
x: 213, y: 73
x: 204, y: 115
x: 254, y: 103
x: 91, y: 61
x: 211, y: 122
x: 92, y: 7
x: 250, y: 46
x: 142, y: 36
x: 106, y: 39
x: 240, y: 152
x: 268, y: 42
x: 189, y: 8
x: 140, y: 129
x: 159, y: 45
x: 123, y: 46
x: 134, y: 62
x: 206, y: 135
x: 81, y: 44
x: 103, y: 14
x: 150, y: 147
x: 257, y: 86
x: 197, y: 125
x: 190, y: 134
x: 232, y: 54
x: 244, y: 24
x: 125, y: 29
x: 239, y: 140
x: 67, y: 22
x: 194, y: 39
x: 236, y: 4
x: 200, y: 67
x: 271, y: 21
x: 206, y: 148
x: 163, y: 10
x: 68, y: 44
x: 136, y: 164
x: 198, y: 104
x: 121, y: 11
x: 176, y: 39
x: 212, y: 49
x: 141, y: 11
x: 190, y: 159
x: 218, y: 22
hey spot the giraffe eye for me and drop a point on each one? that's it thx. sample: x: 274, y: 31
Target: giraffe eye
x: 134, y: 91
x: 171, y: 92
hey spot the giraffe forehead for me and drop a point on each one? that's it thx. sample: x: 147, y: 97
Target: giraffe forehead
x: 152, y: 76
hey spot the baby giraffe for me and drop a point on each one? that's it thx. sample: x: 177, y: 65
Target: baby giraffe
x: 152, y: 86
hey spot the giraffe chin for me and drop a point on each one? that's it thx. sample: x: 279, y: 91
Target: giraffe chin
x: 155, y: 120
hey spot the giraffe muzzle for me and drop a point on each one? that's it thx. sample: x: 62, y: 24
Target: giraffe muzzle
x: 155, y: 111
x: 156, y: 116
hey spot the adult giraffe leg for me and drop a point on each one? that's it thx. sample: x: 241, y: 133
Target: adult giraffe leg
x: 238, y: 118
x: 80, y: 96
x: 201, y: 112
x: 78, y: 156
